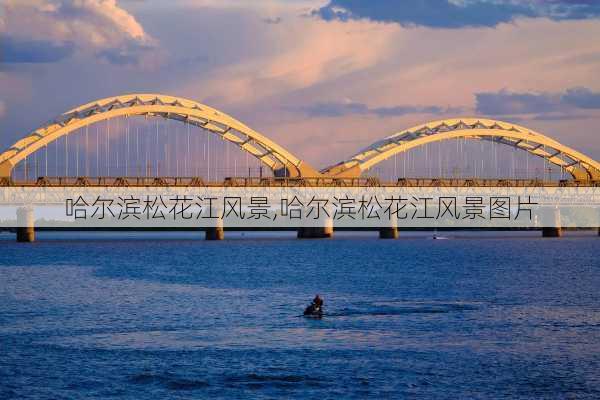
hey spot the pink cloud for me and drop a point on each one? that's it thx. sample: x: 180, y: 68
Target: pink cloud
x: 98, y: 26
x: 387, y: 66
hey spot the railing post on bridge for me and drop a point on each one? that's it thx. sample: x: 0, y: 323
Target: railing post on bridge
x: 25, y: 225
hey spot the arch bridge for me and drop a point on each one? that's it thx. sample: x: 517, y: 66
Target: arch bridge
x: 577, y: 164
x: 281, y: 161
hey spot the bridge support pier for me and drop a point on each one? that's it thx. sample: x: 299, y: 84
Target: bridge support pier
x: 390, y: 232
x: 553, y: 231
x: 25, y: 228
x: 215, y: 232
x: 315, y: 232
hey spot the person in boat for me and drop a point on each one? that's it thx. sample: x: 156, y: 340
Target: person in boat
x: 317, y: 302
x: 316, y: 307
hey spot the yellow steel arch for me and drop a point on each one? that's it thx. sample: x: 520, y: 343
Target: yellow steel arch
x: 577, y: 164
x: 281, y: 161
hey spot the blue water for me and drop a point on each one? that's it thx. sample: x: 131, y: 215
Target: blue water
x: 168, y: 315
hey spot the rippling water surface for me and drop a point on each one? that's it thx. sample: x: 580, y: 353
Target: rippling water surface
x: 167, y: 315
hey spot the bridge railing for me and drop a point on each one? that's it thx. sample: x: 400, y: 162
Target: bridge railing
x: 500, y: 182
x: 169, y: 181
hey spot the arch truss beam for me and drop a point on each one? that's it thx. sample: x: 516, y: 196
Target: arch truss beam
x: 281, y: 161
x: 577, y: 164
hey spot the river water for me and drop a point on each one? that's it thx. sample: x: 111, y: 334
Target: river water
x: 168, y: 315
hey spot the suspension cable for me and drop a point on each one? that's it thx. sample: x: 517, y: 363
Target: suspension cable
x: 137, y: 149
x: 197, y: 140
x: 77, y: 157
x: 187, y: 152
x: 35, y: 165
x: 440, y: 157
x: 226, y: 156
x: 147, y: 139
x: 527, y: 162
x: 87, y: 150
x: 495, y: 148
x: 544, y: 170
x: 66, y: 155
x: 514, y: 173
x: 166, y: 148
x: 156, y: 150
x: 97, y: 149
x: 208, y: 155
x: 108, y: 148
x: 247, y: 166
x: 127, y: 141
x: 117, y: 146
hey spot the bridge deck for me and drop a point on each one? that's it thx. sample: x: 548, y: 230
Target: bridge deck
x: 289, y: 182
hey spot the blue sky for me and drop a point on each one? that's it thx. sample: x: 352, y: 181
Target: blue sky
x: 321, y: 77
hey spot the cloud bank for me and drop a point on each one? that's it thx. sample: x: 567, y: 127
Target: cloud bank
x: 332, y: 109
x: 288, y: 76
x: 456, y: 13
x: 43, y: 31
x: 512, y: 103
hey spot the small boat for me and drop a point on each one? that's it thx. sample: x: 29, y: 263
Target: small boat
x: 437, y: 237
x: 313, y: 311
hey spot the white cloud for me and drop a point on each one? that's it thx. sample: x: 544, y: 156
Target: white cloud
x: 90, y: 25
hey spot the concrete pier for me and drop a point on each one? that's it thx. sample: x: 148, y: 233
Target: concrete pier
x: 553, y: 231
x: 216, y: 232
x: 315, y: 232
x: 389, y: 232
x: 322, y: 229
x: 25, y: 234
x: 25, y: 228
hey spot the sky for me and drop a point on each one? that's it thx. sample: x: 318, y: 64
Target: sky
x: 323, y: 78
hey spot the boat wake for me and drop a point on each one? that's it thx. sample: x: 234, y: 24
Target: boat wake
x: 383, y: 309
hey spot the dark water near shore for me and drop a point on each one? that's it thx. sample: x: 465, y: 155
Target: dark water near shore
x: 159, y: 315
